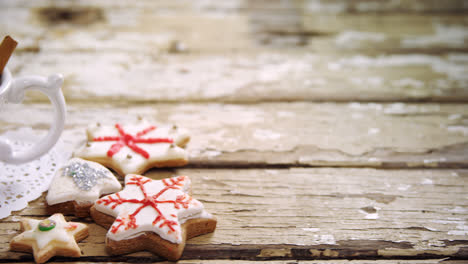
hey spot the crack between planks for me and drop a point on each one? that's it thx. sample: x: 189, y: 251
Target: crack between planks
x: 254, y: 166
x: 449, y: 99
x: 344, y: 250
x: 385, y: 158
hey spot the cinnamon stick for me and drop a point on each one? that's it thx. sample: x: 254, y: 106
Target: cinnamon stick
x: 6, y: 49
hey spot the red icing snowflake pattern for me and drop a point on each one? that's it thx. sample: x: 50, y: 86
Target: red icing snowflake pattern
x: 125, y: 139
x: 129, y: 221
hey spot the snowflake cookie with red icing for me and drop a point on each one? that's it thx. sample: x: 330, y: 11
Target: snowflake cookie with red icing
x: 135, y: 148
x: 154, y: 215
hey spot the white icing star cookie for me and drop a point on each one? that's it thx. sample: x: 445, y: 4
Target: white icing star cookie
x: 135, y: 148
x: 146, y: 208
x: 78, y: 185
x: 49, y: 237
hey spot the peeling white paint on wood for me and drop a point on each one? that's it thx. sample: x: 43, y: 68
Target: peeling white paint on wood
x: 458, y: 129
x: 318, y: 6
x: 445, y: 35
x: 371, y: 216
x: 320, y: 207
x: 286, y: 53
x: 352, y: 39
x: 317, y: 132
x: 427, y: 181
x: 454, y: 70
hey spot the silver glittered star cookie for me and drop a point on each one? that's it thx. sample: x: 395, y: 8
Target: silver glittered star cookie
x: 77, y: 185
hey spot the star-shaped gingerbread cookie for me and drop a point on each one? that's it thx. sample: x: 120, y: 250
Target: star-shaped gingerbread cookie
x: 49, y: 237
x: 78, y: 185
x: 128, y: 148
x: 154, y: 215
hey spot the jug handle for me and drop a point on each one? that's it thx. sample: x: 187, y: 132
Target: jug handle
x: 51, y: 87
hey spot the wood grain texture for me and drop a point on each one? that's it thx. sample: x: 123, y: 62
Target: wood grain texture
x: 372, y: 91
x: 317, y: 26
x: 285, y: 134
x: 310, y: 213
x: 250, y: 78
x: 285, y: 51
x: 222, y: 261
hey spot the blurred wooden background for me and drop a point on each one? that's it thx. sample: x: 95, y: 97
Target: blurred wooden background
x: 321, y: 129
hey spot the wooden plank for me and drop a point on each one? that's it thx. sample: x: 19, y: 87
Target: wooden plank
x: 285, y: 134
x: 338, y: 26
x: 222, y: 261
x: 284, y: 214
x: 250, y: 78
x: 72, y: 26
x: 152, y: 28
x: 318, y: 6
x: 182, y: 49
x: 380, y: 261
x: 376, y: 6
x: 425, y: 261
x: 434, y: 34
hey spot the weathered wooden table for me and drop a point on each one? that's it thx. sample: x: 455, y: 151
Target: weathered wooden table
x: 322, y: 131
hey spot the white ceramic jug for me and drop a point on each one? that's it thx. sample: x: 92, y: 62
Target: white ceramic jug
x: 12, y: 91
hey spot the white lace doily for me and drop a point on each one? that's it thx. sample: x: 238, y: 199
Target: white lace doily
x: 20, y: 184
